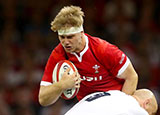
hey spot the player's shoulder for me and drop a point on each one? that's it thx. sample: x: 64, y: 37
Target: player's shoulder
x: 100, y: 45
x: 58, y: 49
x: 99, y: 42
x: 58, y: 52
x: 96, y: 40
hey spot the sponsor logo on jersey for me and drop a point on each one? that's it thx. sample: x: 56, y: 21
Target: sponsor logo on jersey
x: 86, y: 78
x: 97, y: 95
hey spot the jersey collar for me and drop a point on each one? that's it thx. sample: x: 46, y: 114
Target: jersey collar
x: 83, y: 51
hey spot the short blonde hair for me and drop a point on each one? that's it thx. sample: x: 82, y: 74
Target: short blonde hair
x: 69, y: 16
x: 144, y: 94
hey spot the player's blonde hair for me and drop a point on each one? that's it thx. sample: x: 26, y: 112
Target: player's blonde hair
x: 69, y: 16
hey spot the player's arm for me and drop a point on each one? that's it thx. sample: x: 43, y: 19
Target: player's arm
x: 120, y: 66
x: 131, y: 79
x: 49, y: 94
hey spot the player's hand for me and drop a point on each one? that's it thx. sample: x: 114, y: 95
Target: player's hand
x: 78, y: 80
x: 70, y: 81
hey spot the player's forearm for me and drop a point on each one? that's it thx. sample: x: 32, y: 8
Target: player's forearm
x: 130, y: 85
x: 49, y: 94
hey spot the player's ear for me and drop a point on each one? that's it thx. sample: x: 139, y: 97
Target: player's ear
x: 146, y: 104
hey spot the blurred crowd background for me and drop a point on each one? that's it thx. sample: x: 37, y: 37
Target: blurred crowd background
x: 26, y: 42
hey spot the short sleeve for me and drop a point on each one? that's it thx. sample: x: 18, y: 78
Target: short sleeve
x: 114, y: 60
x: 56, y: 55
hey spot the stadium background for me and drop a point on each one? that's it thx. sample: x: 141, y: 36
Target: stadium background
x: 26, y: 42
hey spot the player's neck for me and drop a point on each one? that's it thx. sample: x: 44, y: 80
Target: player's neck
x: 138, y: 100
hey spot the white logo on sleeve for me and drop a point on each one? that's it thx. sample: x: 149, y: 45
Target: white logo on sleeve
x: 122, y: 59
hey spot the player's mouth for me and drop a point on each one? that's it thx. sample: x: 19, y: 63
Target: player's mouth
x: 68, y: 47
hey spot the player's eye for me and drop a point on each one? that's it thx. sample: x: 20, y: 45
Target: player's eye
x: 62, y: 37
x: 69, y: 37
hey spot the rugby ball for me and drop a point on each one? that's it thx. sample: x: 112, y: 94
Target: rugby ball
x: 58, y: 71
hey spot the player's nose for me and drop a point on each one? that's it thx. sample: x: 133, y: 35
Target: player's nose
x: 65, y: 41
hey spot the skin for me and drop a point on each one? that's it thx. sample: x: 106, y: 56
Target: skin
x: 131, y: 80
x: 146, y: 100
x: 76, y: 43
x: 50, y: 94
x: 73, y: 43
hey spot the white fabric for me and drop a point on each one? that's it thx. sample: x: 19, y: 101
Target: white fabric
x: 45, y: 83
x: 72, y: 30
x: 123, y: 67
x: 117, y: 103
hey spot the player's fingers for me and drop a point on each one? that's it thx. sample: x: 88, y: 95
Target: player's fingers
x: 67, y: 70
x: 77, y: 75
x: 78, y: 81
x: 77, y: 85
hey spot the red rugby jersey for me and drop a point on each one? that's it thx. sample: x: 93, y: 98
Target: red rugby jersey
x: 99, y: 64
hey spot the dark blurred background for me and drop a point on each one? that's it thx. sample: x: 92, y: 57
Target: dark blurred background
x: 26, y: 42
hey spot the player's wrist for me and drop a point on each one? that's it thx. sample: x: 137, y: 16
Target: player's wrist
x: 59, y: 86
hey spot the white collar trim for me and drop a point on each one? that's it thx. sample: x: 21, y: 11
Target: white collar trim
x: 83, y: 51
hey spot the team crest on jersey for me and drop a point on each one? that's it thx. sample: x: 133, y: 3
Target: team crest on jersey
x: 96, y: 67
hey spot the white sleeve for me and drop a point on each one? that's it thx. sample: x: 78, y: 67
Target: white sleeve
x: 123, y: 68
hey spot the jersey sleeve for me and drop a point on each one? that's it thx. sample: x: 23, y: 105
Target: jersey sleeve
x: 114, y: 59
x: 56, y: 55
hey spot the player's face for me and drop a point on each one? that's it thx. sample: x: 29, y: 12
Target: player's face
x: 72, y: 42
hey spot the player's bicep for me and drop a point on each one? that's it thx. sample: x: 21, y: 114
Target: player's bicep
x: 128, y: 73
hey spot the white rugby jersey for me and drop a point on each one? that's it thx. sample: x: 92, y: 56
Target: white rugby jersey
x: 107, y: 103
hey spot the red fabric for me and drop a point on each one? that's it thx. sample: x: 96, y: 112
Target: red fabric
x: 102, y: 57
